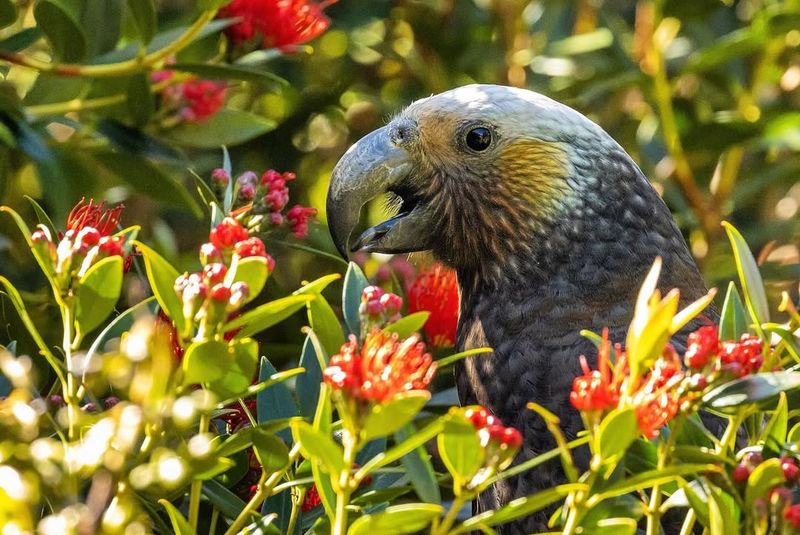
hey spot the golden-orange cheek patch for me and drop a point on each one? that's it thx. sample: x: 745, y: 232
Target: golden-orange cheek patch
x: 535, y: 171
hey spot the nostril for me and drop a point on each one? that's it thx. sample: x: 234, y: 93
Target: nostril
x: 401, y: 134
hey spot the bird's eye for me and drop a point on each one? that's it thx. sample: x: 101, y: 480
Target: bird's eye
x: 479, y: 139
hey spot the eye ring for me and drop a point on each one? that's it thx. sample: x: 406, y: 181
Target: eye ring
x: 478, y: 138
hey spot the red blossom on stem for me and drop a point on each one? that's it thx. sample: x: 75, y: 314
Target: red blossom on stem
x: 596, y: 390
x: 381, y: 368
x: 276, y: 23
x: 435, y: 290
x: 228, y: 234
x: 101, y: 220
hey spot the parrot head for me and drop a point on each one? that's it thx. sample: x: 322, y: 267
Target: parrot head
x: 485, y: 176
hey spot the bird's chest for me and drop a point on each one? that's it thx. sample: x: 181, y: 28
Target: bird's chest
x: 537, y: 344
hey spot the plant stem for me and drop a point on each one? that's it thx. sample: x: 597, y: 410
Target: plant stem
x: 345, y: 487
x: 77, y: 104
x: 69, y: 387
x: 197, y: 486
x: 688, y: 523
x: 122, y: 68
x: 265, y: 486
x: 212, y: 526
x: 298, y: 497
x: 664, y: 455
x: 452, y: 514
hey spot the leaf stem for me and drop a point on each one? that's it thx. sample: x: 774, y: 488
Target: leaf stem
x: 452, y: 514
x: 197, y: 486
x: 121, y: 68
x: 346, y: 485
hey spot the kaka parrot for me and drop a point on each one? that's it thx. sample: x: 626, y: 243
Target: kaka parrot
x: 551, y: 228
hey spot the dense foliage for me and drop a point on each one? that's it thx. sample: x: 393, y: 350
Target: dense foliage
x: 139, y: 371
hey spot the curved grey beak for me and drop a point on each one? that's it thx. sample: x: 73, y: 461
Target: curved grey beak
x: 371, y: 167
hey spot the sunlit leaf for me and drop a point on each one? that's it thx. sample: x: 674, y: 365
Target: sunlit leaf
x: 406, y: 518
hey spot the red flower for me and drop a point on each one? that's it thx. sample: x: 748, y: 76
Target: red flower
x: 298, y: 217
x: 228, y: 234
x: 792, y: 516
x: 203, y: 98
x: 436, y: 290
x: 311, y: 499
x: 276, y: 23
x: 94, y: 216
x: 701, y: 346
x: 743, y: 357
x: 596, y: 390
x: 380, y: 369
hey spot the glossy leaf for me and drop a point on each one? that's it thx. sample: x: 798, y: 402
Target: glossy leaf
x: 733, y: 320
x: 386, y: 418
x: 243, y: 438
x: 774, y: 434
x: 275, y: 402
x: 617, y: 431
x: 749, y: 276
x: 231, y: 72
x: 308, y: 384
x: 265, y: 316
x: 253, y: 271
x: 239, y: 364
x: 408, y: 325
x: 226, y: 127
x: 44, y: 263
x: 406, y: 518
x: 204, y: 362
x: 161, y: 276
x: 650, y: 478
x: 228, y: 503
x: 416, y: 440
x: 419, y: 468
x: 765, y: 476
x: 319, y: 447
x: 42, y: 216
x: 758, y: 389
x: 325, y: 324
x: 98, y: 293
x: 179, y: 524
x: 145, y: 17
x: 460, y: 448
x: 59, y: 20
x: 141, y: 101
x: 322, y: 424
x: 354, y: 284
x: 270, y: 450
x: 452, y: 359
x: 520, y: 507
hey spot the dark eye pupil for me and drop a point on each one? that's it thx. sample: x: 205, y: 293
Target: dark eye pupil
x: 479, y: 138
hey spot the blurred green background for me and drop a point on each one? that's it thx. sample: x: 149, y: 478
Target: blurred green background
x: 702, y: 93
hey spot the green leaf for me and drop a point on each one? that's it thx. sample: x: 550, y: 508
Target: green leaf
x: 275, y: 402
x: 226, y: 127
x: 519, y: 507
x: 452, y: 359
x: 265, y: 316
x: 649, y: 479
x: 239, y: 364
x: 615, y: 526
x: 765, y: 476
x: 322, y: 424
x: 759, y: 389
x: 243, y: 438
x: 253, y: 271
x: 419, y: 468
x: 179, y: 524
x: 319, y: 447
x: 8, y: 13
x: 749, y: 276
x: 145, y: 17
x: 723, y: 512
x: 21, y: 40
x: 260, y: 386
x: 227, y: 502
x: 270, y: 450
x: 354, y: 284
x: 325, y: 324
x: 408, y: 325
x: 460, y: 448
x: 318, y: 285
x: 774, y: 433
x: 308, y: 384
x: 141, y: 101
x: 123, y: 322
x: 416, y: 440
x: 98, y: 293
x: 263, y: 526
x: 162, y: 276
x: 207, y: 5
x: 617, y: 430
x: 794, y: 433
x: 59, y: 21
x: 42, y: 216
x: 147, y: 178
x: 231, y: 72
x: 733, y: 320
x: 385, y: 419
x: 406, y: 518
x: 102, y: 21
x: 205, y: 361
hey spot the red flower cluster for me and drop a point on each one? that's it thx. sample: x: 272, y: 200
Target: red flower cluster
x: 492, y: 430
x: 779, y: 498
x: 381, y: 368
x: 269, y: 196
x: 737, y: 358
x: 194, y: 100
x: 436, y: 290
x: 206, y: 296
x: 87, y: 240
x: 275, y: 23
x: 311, y: 499
x: 667, y: 388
